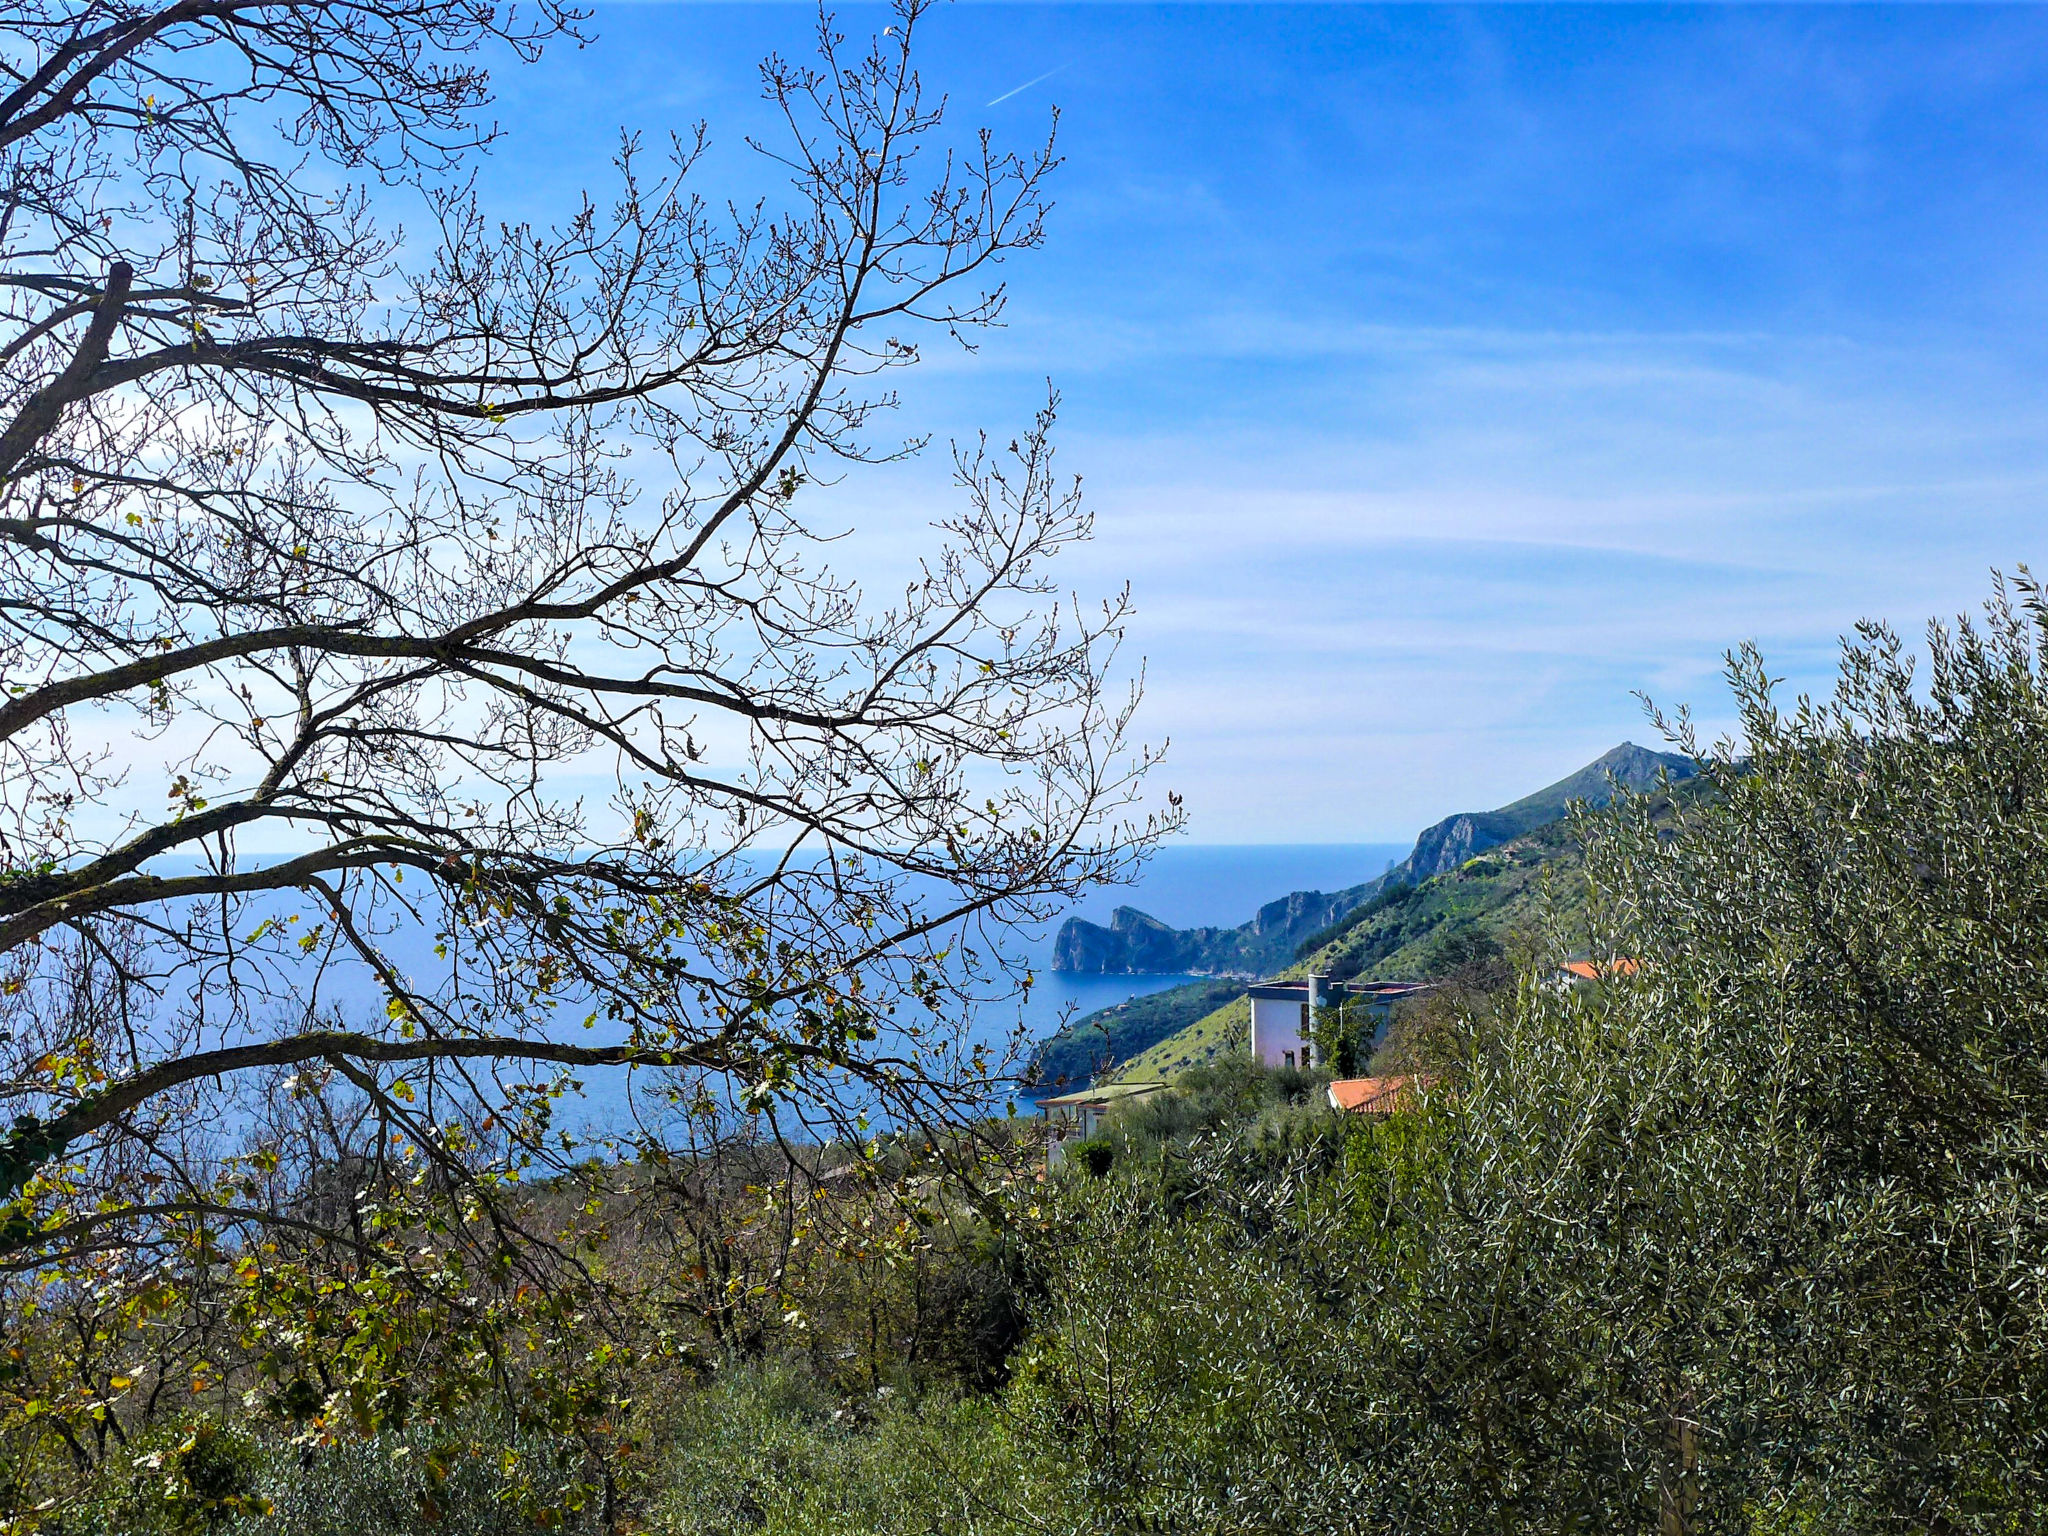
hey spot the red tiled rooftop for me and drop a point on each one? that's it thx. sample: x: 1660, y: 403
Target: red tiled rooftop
x: 1588, y: 970
x: 1374, y: 1095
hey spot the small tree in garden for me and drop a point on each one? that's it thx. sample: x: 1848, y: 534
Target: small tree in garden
x: 469, y: 582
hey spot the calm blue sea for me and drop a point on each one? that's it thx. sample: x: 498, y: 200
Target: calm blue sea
x: 1186, y: 886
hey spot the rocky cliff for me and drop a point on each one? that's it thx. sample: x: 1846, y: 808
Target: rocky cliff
x: 1137, y: 944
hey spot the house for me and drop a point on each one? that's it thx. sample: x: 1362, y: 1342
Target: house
x: 1074, y: 1117
x: 1284, y: 1012
x: 1376, y: 1095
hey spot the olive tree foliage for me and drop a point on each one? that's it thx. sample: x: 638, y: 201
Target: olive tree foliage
x: 1747, y: 1238
x: 356, y: 587
x: 1844, y: 952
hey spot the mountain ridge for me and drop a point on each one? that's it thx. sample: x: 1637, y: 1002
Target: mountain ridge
x: 1136, y: 943
x: 1485, y: 907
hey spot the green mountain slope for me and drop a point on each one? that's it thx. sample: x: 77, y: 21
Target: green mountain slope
x: 1407, y: 933
x: 1122, y: 1031
x: 1412, y: 933
x: 1135, y: 943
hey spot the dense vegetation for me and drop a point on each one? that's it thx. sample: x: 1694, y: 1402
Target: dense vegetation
x: 1743, y: 1236
x: 1744, y: 1239
x: 1747, y: 1240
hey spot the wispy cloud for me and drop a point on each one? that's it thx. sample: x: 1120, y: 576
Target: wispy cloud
x: 1442, y: 376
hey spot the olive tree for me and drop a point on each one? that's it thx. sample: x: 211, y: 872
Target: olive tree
x: 1748, y: 1235
x: 1743, y: 1238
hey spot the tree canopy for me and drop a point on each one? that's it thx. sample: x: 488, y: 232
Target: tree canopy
x: 439, y: 619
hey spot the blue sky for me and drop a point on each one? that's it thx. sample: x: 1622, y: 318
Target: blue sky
x: 1440, y: 376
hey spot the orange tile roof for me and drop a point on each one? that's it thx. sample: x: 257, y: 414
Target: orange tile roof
x: 1586, y: 970
x: 1374, y: 1095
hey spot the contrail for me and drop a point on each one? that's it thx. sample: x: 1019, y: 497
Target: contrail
x: 1028, y: 84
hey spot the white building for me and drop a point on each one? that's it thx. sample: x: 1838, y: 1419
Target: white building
x: 1283, y: 1013
x: 1283, y: 1021
x: 1073, y: 1117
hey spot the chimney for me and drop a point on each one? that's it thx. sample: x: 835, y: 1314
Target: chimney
x: 1308, y: 1021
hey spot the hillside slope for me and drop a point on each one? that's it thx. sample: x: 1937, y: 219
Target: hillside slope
x: 1135, y: 943
x: 1407, y: 933
x: 1123, y: 1030
x: 1413, y: 933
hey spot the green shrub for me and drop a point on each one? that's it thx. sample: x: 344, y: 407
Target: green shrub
x: 217, y: 1480
x: 417, y: 1483
x: 770, y: 1452
x: 175, y: 1481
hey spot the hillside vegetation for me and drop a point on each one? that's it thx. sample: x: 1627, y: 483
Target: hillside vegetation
x: 1724, y: 1248
x: 1470, y: 880
x: 1138, y: 944
x: 1420, y: 932
x: 1743, y: 1241
x: 1117, y: 1033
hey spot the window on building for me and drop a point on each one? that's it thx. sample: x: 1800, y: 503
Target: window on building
x: 1288, y: 1057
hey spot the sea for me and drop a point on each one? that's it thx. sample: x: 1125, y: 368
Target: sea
x: 1185, y: 886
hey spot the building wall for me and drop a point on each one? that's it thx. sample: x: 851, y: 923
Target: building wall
x: 1276, y: 1032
